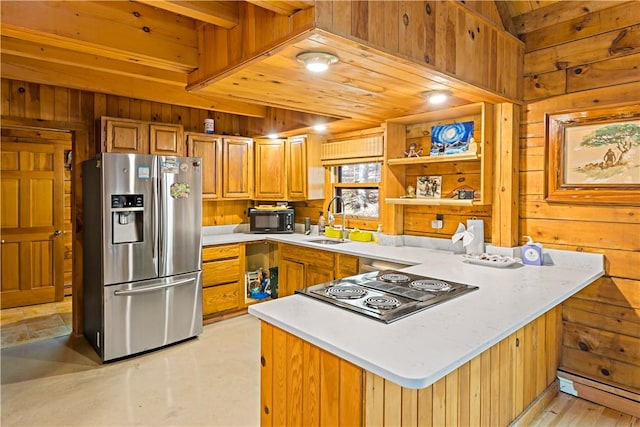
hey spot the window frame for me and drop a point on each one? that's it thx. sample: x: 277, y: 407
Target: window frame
x: 355, y: 221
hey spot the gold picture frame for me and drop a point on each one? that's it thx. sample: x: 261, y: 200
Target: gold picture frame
x: 594, y: 156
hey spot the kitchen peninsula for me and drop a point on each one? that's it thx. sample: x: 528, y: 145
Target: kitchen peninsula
x: 479, y: 359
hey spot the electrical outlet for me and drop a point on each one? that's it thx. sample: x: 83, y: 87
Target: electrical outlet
x: 437, y: 224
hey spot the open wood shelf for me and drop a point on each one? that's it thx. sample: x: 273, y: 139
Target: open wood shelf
x: 434, y: 159
x: 429, y: 202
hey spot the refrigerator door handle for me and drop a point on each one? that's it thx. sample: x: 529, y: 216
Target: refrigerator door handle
x: 152, y: 288
x: 154, y: 221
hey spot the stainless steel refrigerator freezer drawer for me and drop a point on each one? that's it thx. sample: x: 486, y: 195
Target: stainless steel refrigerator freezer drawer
x: 144, y: 315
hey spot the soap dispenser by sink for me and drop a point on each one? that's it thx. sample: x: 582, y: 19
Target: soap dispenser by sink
x: 531, y: 252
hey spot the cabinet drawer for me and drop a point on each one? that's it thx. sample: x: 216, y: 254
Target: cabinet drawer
x: 307, y: 255
x: 224, y: 271
x: 210, y: 253
x: 220, y: 298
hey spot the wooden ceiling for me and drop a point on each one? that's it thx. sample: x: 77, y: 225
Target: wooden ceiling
x: 147, y: 48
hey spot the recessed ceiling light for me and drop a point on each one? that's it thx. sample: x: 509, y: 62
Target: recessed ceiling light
x: 316, y: 61
x: 320, y: 127
x: 272, y: 136
x: 436, y: 96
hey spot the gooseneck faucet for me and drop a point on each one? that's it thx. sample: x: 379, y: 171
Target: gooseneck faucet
x: 344, y: 216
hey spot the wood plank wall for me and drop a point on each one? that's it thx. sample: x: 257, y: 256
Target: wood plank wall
x: 39, y: 105
x: 452, y: 37
x: 586, y: 60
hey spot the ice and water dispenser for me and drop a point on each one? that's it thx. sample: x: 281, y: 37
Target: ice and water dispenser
x: 127, y: 218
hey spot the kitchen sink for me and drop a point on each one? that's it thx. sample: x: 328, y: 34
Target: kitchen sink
x: 327, y: 241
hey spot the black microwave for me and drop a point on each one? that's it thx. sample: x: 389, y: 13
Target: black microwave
x: 271, y: 220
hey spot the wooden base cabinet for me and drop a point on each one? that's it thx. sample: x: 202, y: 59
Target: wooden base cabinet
x: 302, y: 384
x: 300, y: 266
x: 222, y: 284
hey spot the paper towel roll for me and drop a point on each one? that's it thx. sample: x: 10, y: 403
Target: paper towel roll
x: 477, y: 244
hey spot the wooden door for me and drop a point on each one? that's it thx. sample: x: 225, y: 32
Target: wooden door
x: 125, y: 136
x: 237, y: 169
x: 297, y: 168
x: 270, y: 170
x: 290, y: 277
x: 165, y: 139
x: 208, y: 148
x: 32, y: 216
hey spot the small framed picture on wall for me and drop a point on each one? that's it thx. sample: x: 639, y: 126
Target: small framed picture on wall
x: 429, y: 187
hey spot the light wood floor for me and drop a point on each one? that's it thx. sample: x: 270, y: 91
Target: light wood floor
x: 566, y: 410
x: 563, y: 411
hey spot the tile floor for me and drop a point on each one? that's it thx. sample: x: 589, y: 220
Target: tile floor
x: 212, y: 380
x: 35, y: 322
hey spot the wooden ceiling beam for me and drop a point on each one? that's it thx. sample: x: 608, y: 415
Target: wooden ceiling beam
x: 284, y: 7
x: 559, y: 11
x: 34, y: 70
x: 56, y: 55
x: 119, y: 30
x: 221, y: 13
x: 502, y: 7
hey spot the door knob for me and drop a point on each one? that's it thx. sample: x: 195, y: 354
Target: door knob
x: 57, y: 233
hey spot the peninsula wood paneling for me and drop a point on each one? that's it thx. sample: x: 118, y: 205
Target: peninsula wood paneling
x: 491, y: 389
x: 582, y: 59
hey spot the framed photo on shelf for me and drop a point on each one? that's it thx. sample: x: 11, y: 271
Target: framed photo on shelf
x: 452, y: 138
x: 594, y: 156
x: 429, y: 187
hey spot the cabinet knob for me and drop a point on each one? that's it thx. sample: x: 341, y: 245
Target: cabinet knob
x: 262, y: 360
x: 57, y: 233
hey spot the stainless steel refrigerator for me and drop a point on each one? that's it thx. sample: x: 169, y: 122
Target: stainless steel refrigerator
x: 142, y: 222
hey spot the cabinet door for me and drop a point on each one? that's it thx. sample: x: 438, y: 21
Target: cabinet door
x: 166, y: 139
x: 297, y: 168
x: 210, y: 150
x: 237, y: 169
x: 346, y: 265
x: 316, y: 274
x: 290, y: 277
x: 125, y: 136
x: 271, y: 179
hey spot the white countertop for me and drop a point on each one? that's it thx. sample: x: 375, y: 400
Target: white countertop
x: 418, y: 350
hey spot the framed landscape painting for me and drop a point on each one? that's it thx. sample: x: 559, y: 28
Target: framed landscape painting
x: 594, y: 156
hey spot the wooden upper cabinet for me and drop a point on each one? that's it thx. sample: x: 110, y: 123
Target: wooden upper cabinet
x: 297, y: 168
x: 237, y: 169
x: 124, y: 136
x: 166, y: 139
x: 140, y: 137
x: 209, y: 148
x: 289, y: 169
x: 271, y: 166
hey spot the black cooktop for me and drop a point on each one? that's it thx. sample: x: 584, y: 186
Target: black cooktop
x: 387, y: 295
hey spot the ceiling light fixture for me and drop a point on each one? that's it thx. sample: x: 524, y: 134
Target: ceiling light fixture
x: 272, y: 136
x: 320, y: 127
x: 316, y: 61
x: 436, y: 96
